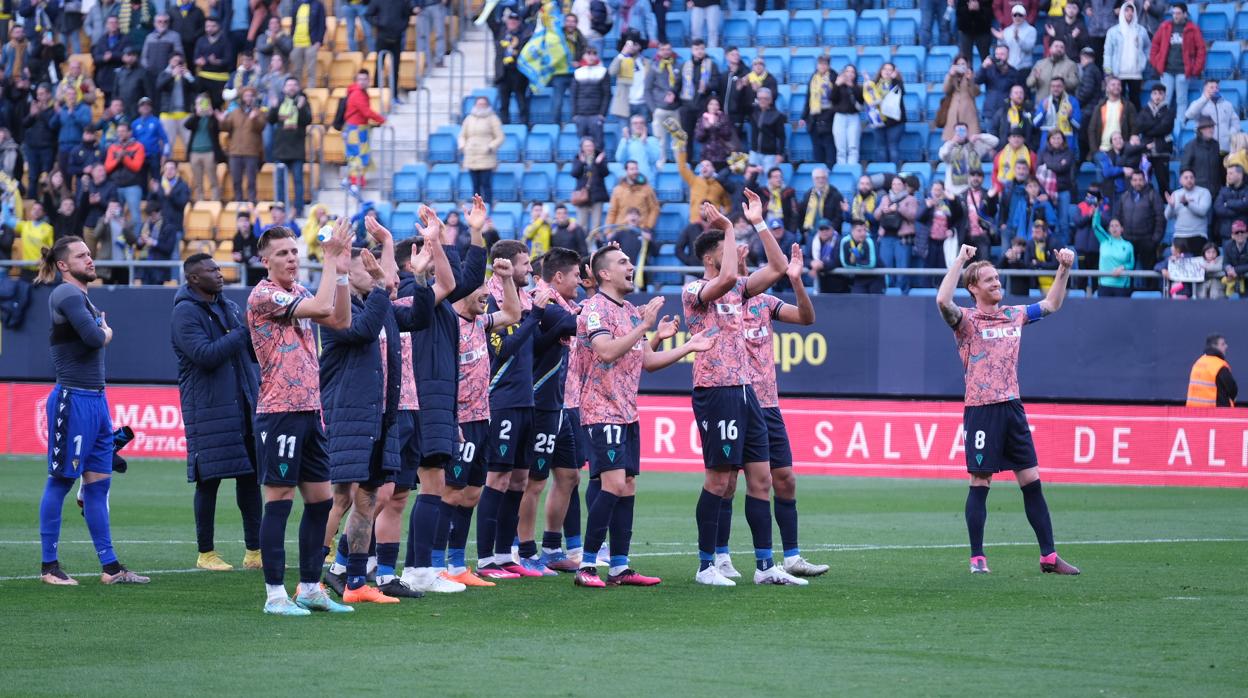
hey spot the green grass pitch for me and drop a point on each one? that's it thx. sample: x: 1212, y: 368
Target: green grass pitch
x: 1161, y: 609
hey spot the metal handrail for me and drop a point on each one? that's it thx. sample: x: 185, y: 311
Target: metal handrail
x: 458, y: 66
x: 423, y: 125
x: 318, y: 153
x: 385, y: 143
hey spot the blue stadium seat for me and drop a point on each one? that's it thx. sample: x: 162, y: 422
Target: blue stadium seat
x: 935, y: 139
x: 567, y: 146
x: 539, y: 147
x: 854, y: 170
x: 912, y: 100
x: 903, y: 29
x: 909, y: 61
x: 834, y: 5
x: 939, y: 60
x: 441, y: 182
x: 464, y: 189
x: 784, y: 95
x: 843, y: 181
x: 899, y: 5
x: 803, y: 5
x: 880, y: 168
x: 542, y: 108
x: 673, y: 217
x: 1241, y: 25
x: 506, y: 219
x: 797, y: 103
x: 838, y: 28
x: 407, y: 186
x: 1237, y: 92
x: 931, y: 104
x: 513, y: 142
x: 1215, y: 21
x: 801, y: 68
x: 804, y: 28
x: 402, y: 223
x: 872, y: 28
x: 922, y: 170
x: 871, y: 145
x: 738, y: 30
x: 871, y: 60
x: 1088, y: 175
x: 771, y: 28
x: 912, y: 141
x: 838, y: 58
x: 1243, y: 64
x: 800, y: 148
x: 443, y: 147
x: 678, y: 28
x: 1221, y: 60
x: 535, y: 186
x: 668, y: 186
x: 564, y: 184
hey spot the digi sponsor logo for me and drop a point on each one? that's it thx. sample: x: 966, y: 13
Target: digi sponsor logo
x: 1001, y: 333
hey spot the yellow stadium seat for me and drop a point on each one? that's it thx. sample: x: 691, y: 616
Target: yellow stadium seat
x: 227, y: 223
x: 332, y: 149
x: 344, y: 67
x: 317, y: 96
x: 225, y: 255
x: 409, y: 36
x: 227, y: 184
x: 379, y: 99
x: 201, y: 220
x: 264, y: 212
x: 409, y: 73
x: 324, y: 59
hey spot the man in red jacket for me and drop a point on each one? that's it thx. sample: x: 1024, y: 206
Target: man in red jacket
x: 1178, y: 54
x: 359, y: 117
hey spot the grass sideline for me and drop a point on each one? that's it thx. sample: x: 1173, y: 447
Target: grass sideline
x: 897, y: 615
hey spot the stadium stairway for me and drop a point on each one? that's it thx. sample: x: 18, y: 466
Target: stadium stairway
x: 441, y: 105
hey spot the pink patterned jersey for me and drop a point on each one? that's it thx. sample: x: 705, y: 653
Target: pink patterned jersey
x: 290, y: 373
x: 988, y: 344
x: 576, y: 371
x: 408, y: 399
x: 474, y: 370
x: 760, y: 312
x: 728, y: 362
x: 608, y: 390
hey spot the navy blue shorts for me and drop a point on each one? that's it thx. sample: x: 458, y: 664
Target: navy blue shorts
x: 291, y: 448
x: 777, y: 439
x: 998, y: 438
x: 554, y: 445
x: 734, y: 431
x: 80, y: 432
x: 468, y: 468
x: 614, y: 447
x: 403, y: 444
x: 511, y: 439
x: 580, y: 454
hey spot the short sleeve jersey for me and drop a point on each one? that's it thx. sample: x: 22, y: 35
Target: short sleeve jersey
x: 285, y: 348
x: 988, y: 344
x: 408, y: 399
x: 728, y: 362
x: 760, y: 312
x: 608, y: 390
x: 474, y: 370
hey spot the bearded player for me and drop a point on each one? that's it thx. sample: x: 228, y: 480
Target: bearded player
x: 997, y: 435
x: 611, y: 336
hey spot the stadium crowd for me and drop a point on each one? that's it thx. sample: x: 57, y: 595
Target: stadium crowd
x: 1061, y: 125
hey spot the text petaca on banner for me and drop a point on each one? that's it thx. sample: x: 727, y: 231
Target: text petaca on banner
x: 1093, y: 444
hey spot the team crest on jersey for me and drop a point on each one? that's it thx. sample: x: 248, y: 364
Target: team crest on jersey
x: 693, y: 288
x: 611, y: 455
x: 502, y: 450
x: 541, y: 463
x: 282, y: 468
x: 283, y: 299
x: 594, y: 321
x: 459, y: 469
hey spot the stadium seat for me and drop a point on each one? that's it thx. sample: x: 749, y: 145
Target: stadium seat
x: 668, y: 186
x: 1241, y: 25
x: 443, y: 147
x: 872, y: 28
x: 838, y: 28
x: 1243, y: 64
x: 784, y: 95
x: 1215, y: 21
x: 909, y: 61
x: 802, y: 65
x: 201, y: 220
x: 344, y: 67
x: 513, y: 142
x: 771, y: 28
x: 506, y: 185
x: 564, y: 184
x: 900, y: 5
x: 922, y: 170
x: 843, y: 181
x: 540, y: 146
x: 903, y: 28
x: 673, y: 217
x: 931, y: 104
x: 939, y: 60
x: 803, y: 6
x: 678, y: 30
x: 738, y: 30
x: 804, y: 28
x: 406, y: 186
x: 567, y: 146
x: 1237, y: 92
x: 912, y: 101
x: 935, y: 139
x: 535, y: 186
x: 838, y: 58
x: 1221, y: 60
x: 871, y: 60
x: 402, y: 222
x: 800, y: 148
x: 542, y: 107
x: 1087, y: 176
x: 442, y: 182
x: 797, y: 103
x: 912, y: 141
x: 871, y: 145
x: 508, y: 220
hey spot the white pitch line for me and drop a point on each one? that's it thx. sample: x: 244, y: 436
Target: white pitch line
x: 834, y: 548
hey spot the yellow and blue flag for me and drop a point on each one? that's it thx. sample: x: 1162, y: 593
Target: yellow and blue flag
x: 547, y: 53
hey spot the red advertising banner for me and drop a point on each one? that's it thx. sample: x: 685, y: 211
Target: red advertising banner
x: 1094, y: 444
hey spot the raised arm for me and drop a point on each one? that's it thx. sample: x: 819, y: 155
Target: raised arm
x: 804, y: 312
x: 331, y: 306
x: 944, y: 297
x: 766, y: 276
x: 382, y: 235
x: 509, y: 312
x: 609, y: 349
x: 726, y: 280
x: 656, y: 360
x: 472, y: 270
x: 1057, y: 292
x: 443, y: 275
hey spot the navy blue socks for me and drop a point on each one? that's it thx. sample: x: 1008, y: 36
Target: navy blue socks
x: 1038, y: 516
x: 725, y: 526
x: 508, y: 521
x: 206, y: 513
x: 457, y: 536
x: 621, y: 530
x: 420, y: 531
x: 707, y: 516
x: 758, y: 516
x: 250, y: 504
x: 441, y: 533
x: 600, y: 519
x: 977, y: 516
x: 311, y: 537
x: 572, y: 519
x: 487, y: 522
x: 786, y: 519
x: 273, y: 540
